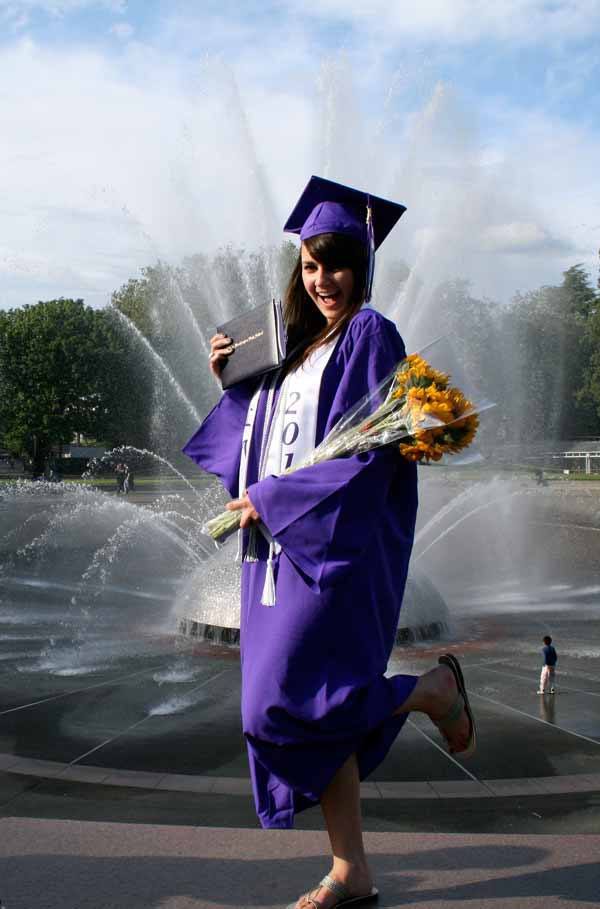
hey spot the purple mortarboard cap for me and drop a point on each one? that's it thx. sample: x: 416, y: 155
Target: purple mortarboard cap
x: 326, y: 207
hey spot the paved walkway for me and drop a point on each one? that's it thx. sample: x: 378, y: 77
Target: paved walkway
x: 81, y: 865
x: 143, y: 840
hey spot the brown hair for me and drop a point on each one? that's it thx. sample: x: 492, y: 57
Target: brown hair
x: 306, y: 327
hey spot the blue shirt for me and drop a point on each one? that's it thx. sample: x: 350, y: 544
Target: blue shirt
x: 550, y: 657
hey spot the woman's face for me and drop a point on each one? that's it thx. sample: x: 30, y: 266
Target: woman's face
x: 330, y: 290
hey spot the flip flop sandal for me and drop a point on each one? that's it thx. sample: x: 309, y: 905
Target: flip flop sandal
x: 339, y: 890
x: 461, y: 703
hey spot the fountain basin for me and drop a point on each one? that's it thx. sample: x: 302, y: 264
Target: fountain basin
x: 424, y: 615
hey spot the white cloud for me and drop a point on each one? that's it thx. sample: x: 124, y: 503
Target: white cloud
x: 13, y: 16
x: 104, y: 173
x: 521, y: 237
x: 59, y: 7
x: 572, y: 74
x: 122, y: 30
x: 466, y: 21
x: 146, y: 155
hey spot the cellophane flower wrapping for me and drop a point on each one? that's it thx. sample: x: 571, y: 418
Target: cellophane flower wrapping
x: 414, y: 408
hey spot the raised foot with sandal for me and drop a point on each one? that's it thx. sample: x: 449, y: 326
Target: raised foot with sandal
x: 461, y: 703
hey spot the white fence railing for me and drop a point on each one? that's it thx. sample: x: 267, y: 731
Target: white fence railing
x: 586, y: 455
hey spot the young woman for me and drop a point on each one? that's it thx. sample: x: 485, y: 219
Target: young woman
x: 332, y: 542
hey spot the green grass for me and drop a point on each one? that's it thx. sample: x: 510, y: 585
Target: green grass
x: 149, y: 483
x: 141, y: 482
x: 154, y: 482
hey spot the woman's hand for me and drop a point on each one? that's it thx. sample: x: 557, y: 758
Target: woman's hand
x: 249, y: 514
x: 220, y: 349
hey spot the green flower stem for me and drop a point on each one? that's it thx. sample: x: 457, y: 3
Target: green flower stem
x: 221, y: 527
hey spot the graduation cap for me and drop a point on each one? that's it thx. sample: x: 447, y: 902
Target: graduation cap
x: 327, y: 207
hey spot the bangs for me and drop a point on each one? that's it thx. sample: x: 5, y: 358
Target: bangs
x: 338, y: 251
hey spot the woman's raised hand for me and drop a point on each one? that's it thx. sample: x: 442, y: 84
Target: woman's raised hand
x: 220, y: 349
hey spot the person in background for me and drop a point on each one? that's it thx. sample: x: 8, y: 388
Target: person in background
x: 120, y: 477
x: 550, y: 657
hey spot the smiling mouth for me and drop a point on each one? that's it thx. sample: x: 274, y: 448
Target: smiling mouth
x: 331, y: 296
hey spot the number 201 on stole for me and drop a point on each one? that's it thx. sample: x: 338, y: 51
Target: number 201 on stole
x: 291, y: 429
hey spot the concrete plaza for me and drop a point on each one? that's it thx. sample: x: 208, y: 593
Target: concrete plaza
x: 132, y: 825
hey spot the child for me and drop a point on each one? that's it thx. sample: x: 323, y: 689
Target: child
x: 550, y: 660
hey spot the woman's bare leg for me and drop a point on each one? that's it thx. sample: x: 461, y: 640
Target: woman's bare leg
x: 434, y: 694
x: 340, y: 804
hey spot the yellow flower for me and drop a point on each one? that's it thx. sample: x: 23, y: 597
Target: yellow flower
x: 416, y: 372
x: 426, y: 400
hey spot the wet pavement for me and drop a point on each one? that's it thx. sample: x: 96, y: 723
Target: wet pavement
x: 123, y: 774
x: 166, y: 721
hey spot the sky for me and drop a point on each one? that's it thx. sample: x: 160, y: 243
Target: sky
x: 138, y: 130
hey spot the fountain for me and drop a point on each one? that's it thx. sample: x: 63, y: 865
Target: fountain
x: 210, y: 608
x: 96, y: 589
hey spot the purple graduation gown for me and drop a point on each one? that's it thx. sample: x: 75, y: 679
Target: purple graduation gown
x: 313, y: 685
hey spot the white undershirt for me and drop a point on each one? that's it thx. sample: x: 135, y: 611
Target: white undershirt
x: 294, y: 430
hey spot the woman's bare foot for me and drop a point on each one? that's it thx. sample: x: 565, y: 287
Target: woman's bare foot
x: 356, y: 879
x: 435, y: 694
x: 444, y: 693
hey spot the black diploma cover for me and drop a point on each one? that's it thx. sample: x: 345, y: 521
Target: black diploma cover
x: 258, y: 339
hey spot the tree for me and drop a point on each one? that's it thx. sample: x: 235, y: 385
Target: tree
x: 287, y: 256
x: 471, y: 326
x: 176, y: 310
x: 578, y: 293
x: 589, y: 393
x: 148, y: 301
x: 531, y: 357
x: 67, y: 369
x: 583, y: 302
x: 551, y: 350
x: 168, y: 309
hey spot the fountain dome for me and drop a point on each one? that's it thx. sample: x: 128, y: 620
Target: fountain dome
x: 209, y: 607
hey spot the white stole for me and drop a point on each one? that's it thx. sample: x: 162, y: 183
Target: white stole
x: 289, y: 435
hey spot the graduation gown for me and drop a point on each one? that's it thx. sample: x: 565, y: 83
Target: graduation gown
x: 313, y: 685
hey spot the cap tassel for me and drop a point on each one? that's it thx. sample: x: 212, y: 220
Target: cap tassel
x: 371, y: 252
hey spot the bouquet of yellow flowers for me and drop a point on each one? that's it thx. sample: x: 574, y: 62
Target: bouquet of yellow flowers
x: 414, y: 406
